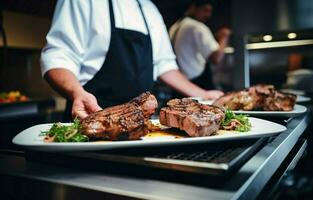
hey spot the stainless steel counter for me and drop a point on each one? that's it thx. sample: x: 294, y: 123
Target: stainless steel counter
x: 57, y: 182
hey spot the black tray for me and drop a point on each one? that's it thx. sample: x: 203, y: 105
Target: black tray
x: 196, y: 163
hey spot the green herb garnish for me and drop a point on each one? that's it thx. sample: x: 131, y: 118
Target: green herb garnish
x: 241, y: 122
x: 61, y: 133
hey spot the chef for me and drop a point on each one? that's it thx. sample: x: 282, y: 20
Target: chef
x: 103, y: 53
x: 194, y: 44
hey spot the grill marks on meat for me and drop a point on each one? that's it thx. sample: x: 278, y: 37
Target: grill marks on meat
x: 109, y: 123
x: 259, y: 97
x: 147, y: 103
x: 237, y: 101
x: 192, y: 117
x: 125, y: 121
x: 280, y: 101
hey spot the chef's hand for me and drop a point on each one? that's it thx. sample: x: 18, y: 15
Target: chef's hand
x: 84, y: 104
x: 223, y: 33
x: 212, y: 94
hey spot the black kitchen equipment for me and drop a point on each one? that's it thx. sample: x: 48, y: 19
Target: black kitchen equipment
x: 197, y: 163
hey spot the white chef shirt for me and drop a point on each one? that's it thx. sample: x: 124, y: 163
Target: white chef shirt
x: 80, y: 35
x: 194, y: 43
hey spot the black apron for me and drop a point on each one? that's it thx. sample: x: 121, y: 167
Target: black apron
x: 204, y: 80
x: 127, y: 70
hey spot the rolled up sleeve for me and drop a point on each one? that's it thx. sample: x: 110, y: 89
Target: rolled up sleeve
x: 67, y: 37
x: 164, y: 66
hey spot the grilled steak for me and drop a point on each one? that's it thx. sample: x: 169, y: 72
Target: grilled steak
x: 280, y: 101
x: 125, y: 121
x: 259, y: 97
x: 237, y: 101
x: 192, y: 117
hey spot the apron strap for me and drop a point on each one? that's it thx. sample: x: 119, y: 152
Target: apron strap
x: 144, y: 18
x: 112, y: 19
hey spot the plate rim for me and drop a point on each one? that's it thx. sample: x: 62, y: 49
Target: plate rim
x: 269, y: 113
x: 17, y: 140
x: 302, y: 99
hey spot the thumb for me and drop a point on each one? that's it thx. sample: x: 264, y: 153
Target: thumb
x: 81, y: 114
x: 94, y: 107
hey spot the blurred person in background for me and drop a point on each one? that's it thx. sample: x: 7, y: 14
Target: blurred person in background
x: 194, y: 44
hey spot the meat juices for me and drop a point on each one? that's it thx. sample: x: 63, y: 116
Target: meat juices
x: 125, y: 121
x: 258, y: 97
x: 192, y: 117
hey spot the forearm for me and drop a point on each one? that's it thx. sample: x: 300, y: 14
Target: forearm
x: 176, y: 80
x: 64, y: 82
x: 218, y: 55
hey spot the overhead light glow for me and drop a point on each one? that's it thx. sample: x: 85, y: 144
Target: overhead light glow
x: 279, y: 44
x: 292, y: 35
x: 267, y: 38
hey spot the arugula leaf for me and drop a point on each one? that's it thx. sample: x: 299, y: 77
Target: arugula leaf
x: 62, y: 133
x: 243, y: 122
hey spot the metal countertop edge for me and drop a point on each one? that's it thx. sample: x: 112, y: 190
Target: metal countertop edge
x: 274, y: 154
x: 96, y: 182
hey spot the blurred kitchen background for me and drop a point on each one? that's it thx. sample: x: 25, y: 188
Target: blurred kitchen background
x: 271, y: 42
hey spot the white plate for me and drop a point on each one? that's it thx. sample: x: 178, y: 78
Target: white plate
x: 207, y: 102
x: 297, y: 110
x: 200, y: 100
x: 196, y: 98
x: 31, y: 139
x: 301, y: 98
x: 292, y: 91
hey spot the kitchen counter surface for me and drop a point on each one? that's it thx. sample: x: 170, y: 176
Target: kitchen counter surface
x: 247, y: 183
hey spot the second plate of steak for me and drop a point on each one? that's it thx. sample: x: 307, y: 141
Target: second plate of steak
x: 279, y: 101
x: 192, y: 117
x: 258, y: 97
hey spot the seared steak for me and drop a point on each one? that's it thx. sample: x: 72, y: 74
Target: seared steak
x: 237, y: 101
x: 192, y: 117
x: 259, y: 97
x: 125, y: 121
x: 280, y: 101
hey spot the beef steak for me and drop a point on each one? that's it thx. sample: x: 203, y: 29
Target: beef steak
x: 280, y: 102
x: 258, y: 97
x: 192, y: 117
x: 125, y: 121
